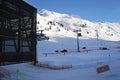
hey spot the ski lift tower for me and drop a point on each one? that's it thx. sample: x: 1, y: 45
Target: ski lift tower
x: 78, y: 35
x: 97, y: 34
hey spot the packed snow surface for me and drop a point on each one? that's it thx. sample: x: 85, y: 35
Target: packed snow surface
x: 84, y: 64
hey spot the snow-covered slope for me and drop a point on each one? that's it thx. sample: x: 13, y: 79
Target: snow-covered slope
x: 64, y: 25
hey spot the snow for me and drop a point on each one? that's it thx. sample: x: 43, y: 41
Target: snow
x: 84, y: 64
x: 65, y: 25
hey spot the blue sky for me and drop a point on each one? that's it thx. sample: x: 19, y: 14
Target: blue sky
x: 93, y: 10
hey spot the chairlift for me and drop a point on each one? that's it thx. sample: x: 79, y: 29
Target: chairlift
x: 79, y: 34
x: 41, y: 36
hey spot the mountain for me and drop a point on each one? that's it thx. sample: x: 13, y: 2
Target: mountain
x: 64, y: 25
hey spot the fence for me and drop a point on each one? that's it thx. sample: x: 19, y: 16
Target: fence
x: 54, y: 67
x: 71, y: 51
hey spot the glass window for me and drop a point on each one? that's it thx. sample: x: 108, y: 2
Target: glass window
x: 0, y: 2
x: 11, y: 6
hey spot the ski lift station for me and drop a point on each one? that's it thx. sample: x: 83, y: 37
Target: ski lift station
x: 17, y: 32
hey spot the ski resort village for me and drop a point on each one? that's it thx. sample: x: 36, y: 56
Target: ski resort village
x: 48, y: 45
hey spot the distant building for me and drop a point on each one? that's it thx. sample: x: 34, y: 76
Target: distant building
x: 17, y: 32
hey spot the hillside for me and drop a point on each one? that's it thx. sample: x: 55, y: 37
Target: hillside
x: 64, y: 25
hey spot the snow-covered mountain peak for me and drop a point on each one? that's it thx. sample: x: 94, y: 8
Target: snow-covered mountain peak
x: 64, y: 25
x: 45, y: 13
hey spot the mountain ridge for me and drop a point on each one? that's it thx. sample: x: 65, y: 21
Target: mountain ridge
x: 64, y: 25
